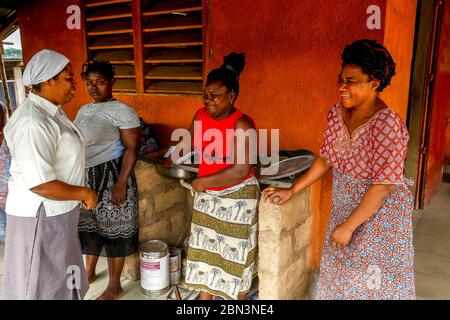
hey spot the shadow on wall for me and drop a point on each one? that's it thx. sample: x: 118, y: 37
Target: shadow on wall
x: 161, y: 133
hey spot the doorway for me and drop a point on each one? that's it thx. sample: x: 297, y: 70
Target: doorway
x: 422, y: 163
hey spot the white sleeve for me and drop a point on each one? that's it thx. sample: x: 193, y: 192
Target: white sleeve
x: 34, y: 151
x: 124, y: 117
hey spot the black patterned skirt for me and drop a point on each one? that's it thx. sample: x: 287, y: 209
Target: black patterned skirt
x: 110, y: 230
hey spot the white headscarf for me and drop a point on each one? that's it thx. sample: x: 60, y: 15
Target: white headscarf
x: 43, y: 66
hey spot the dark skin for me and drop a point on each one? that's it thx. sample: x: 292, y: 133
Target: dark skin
x: 233, y: 174
x: 60, y: 91
x: 3, y: 119
x: 219, y: 102
x: 359, y: 97
x: 99, y: 88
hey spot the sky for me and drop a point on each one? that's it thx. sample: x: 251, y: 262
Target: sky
x: 15, y: 38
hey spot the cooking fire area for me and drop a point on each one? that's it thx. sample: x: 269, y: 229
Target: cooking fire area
x: 284, y: 233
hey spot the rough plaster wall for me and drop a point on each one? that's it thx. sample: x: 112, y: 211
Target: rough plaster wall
x: 293, y: 60
x: 43, y: 25
x: 399, y: 39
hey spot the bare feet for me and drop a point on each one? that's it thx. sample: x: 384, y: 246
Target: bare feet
x: 111, y: 293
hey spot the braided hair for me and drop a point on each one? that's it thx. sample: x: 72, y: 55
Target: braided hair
x: 373, y: 58
x: 229, y: 72
x: 105, y: 68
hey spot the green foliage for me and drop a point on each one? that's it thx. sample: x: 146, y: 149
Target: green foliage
x: 12, y: 53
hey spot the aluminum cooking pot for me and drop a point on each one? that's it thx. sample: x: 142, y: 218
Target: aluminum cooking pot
x: 174, y: 172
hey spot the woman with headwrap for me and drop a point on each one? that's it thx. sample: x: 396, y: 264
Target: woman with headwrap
x: 368, y: 251
x: 42, y: 250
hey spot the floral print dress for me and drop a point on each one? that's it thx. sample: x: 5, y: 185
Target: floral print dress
x: 378, y: 263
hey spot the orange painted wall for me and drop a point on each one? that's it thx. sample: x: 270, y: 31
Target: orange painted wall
x: 440, y: 109
x: 293, y: 59
x: 43, y: 25
x: 399, y: 39
x: 163, y: 112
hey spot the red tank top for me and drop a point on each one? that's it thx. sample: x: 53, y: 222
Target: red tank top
x: 208, y: 165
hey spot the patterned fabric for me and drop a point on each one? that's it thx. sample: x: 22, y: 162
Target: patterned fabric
x: 376, y: 150
x: 5, y: 163
x: 110, y: 227
x: 378, y: 263
x: 222, y: 250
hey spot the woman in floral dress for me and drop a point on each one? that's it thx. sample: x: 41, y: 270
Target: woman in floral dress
x: 368, y: 250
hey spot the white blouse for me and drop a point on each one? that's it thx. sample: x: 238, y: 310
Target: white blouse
x: 45, y: 145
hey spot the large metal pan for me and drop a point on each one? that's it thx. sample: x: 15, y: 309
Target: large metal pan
x: 174, y: 172
x: 288, y: 168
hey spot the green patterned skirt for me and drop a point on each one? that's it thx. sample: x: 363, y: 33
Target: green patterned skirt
x: 222, y: 250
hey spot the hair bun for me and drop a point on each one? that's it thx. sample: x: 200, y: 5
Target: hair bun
x: 234, y: 62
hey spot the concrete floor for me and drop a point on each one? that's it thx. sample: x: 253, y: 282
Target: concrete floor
x: 432, y: 255
x: 432, y: 248
x: 131, y: 288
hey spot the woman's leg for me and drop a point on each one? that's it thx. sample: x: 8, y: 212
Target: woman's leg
x: 114, y: 289
x: 91, y: 263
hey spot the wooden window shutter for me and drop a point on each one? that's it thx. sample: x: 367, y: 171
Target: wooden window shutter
x: 109, y: 34
x: 155, y: 45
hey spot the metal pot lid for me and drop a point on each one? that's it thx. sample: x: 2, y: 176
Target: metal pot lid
x: 288, y: 167
x: 175, y: 172
x: 154, y: 246
x: 187, y: 168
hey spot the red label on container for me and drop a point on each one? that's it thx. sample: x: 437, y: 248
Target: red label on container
x: 150, y: 265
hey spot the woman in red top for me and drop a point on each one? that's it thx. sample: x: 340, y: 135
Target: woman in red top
x: 222, y: 249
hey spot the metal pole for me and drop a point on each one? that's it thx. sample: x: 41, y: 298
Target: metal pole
x: 5, y: 82
x: 20, y: 89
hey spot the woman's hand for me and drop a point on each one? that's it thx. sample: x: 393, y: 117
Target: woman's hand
x: 119, y: 193
x: 198, y: 185
x: 167, y: 162
x: 90, y: 199
x: 277, y: 195
x: 341, y: 236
